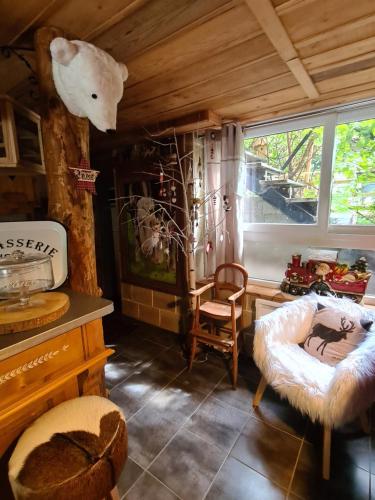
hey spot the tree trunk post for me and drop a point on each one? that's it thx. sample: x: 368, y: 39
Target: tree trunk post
x: 65, y: 142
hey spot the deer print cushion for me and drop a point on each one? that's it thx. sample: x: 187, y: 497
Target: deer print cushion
x: 334, y: 334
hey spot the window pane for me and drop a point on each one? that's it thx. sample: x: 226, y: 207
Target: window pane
x: 353, y: 175
x: 283, y: 176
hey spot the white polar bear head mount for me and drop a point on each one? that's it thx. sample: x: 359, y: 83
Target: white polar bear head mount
x: 88, y: 80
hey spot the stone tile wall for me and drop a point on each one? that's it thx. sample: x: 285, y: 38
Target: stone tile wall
x: 150, y: 306
x: 161, y: 309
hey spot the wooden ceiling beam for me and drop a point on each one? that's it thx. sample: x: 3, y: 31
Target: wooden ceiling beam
x: 193, y: 122
x: 270, y: 22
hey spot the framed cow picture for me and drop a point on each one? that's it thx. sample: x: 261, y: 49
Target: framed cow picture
x: 148, y: 209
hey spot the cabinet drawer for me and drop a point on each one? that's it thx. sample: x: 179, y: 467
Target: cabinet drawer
x: 13, y: 425
x: 23, y: 373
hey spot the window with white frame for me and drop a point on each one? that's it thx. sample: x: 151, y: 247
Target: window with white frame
x: 310, y: 185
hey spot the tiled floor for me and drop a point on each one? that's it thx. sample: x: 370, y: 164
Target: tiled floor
x: 192, y: 437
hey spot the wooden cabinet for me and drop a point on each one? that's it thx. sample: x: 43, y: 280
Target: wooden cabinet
x: 21, y: 150
x: 43, y: 376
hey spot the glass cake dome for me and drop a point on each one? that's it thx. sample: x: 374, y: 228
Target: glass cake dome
x: 23, y: 275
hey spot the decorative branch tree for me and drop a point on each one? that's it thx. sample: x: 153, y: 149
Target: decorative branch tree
x: 163, y: 222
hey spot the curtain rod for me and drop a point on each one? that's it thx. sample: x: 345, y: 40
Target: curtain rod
x: 322, y: 111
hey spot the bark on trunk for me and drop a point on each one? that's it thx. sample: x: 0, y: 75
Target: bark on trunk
x: 65, y: 141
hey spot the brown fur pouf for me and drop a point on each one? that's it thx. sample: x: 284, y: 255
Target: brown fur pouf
x: 75, y: 451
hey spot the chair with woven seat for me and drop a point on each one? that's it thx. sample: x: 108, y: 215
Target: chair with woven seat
x: 74, y: 451
x: 219, y: 312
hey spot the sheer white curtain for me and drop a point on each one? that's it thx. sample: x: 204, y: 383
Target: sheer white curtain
x: 225, y: 163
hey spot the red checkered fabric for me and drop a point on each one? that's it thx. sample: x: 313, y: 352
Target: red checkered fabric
x: 84, y: 176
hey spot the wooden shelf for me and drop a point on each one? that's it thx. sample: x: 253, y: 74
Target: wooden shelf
x: 23, y: 147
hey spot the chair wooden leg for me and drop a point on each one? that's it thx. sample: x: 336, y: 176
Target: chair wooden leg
x: 260, y: 391
x: 192, y: 351
x: 113, y: 495
x: 234, y: 367
x: 326, y: 452
x: 365, y: 423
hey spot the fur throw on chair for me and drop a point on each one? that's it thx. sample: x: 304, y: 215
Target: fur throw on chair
x: 331, y: 395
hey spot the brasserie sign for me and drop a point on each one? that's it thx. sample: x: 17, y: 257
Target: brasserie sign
x: 42, y: 237
x: 11, y: 244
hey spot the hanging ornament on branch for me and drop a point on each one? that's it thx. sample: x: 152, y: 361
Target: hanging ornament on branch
x: 173, y: 192
x: 161, y: 179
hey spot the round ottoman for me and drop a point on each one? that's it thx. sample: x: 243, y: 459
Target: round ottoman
x: 75, y: 451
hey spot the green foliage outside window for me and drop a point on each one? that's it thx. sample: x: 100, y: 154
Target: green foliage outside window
x: 297, y: 154
x: 353, y: 187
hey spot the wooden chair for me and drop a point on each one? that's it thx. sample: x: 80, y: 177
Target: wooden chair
x: 217, y: 313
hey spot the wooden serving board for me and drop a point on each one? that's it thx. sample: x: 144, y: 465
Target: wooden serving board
x: 43, y: 308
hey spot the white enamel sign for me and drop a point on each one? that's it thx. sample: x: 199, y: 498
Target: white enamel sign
x: 44, y: 237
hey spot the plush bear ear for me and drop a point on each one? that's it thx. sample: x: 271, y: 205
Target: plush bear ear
x: 62, y: 50
x: 320, y: 307
x: 366, y: 324
x: 124, y: 71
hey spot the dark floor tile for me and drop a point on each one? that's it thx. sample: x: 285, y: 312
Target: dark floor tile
x: 118, y: 368
x: 130, y: 473
x: 156, y: 422
x: 139, y: 349
x: 371, y: 417
x: 220, y: 359
x: 149, y: 488
x: 188, y: 465
x: 353, y: 448
x: 240, y: 398
x: 117, y: 325
x: 307, y: 477
x: 148, y: 433
x: 169, y: 361
x: 279, y: 413
x: 134, y: 392
x: 156, y: 335
x: 236, y: 481
x: 347, y: 481
x: 177, y: 399
x: 267, y: 450
x: 217, y: 423
x: 349, y: 443
x: 116, y: 328
x: 372, y: 452
x: 248, y: 369
x: 202, y: 377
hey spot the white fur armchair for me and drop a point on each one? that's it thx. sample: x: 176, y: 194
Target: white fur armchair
x: 331, y: 395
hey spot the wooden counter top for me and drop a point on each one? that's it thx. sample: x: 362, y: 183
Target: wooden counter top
x: 83, y: 309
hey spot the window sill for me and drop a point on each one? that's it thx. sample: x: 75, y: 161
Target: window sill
x: 271, y: 291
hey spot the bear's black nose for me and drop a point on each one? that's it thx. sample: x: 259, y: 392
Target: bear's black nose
x: 111, y: 131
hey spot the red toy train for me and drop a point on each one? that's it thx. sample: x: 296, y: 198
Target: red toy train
x: 326, y: 277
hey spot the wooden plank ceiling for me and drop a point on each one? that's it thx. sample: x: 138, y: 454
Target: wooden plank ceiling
x: 243, y: 59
